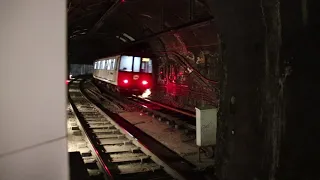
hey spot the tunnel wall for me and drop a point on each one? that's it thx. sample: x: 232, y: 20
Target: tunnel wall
x: 80, y: 69
x: 191, y: 49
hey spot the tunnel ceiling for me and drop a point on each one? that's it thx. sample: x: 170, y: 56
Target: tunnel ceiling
x: 98, y: 28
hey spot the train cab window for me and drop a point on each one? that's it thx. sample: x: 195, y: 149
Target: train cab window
x: 136, y: 64
x: 146, y: 65
x: 95, y: 65
x: 126, y: 63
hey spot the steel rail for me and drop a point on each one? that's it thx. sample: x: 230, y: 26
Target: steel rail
x: 89, y: 137
x: 167, y: 107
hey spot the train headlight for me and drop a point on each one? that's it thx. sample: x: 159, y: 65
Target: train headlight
x: 144, y: 82
x: 126, y: 81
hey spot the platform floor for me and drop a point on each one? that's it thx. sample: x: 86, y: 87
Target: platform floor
x: 170, y: 137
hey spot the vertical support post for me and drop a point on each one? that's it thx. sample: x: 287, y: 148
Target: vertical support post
x: 33, y: 129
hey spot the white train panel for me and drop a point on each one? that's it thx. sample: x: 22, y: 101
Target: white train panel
x: 108, y: 69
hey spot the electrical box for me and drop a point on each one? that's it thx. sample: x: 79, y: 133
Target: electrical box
x: 206, y: 126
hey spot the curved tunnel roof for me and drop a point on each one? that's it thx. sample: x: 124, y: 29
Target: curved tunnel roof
x: 98, y: 28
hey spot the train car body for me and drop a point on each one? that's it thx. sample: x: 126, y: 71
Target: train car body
x: 124, y: 72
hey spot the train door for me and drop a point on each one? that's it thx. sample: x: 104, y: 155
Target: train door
x: 116, y: 69
x: 111, y: 69
x: 104, y: 73
x: 107, y: 70
x: 114, y: 61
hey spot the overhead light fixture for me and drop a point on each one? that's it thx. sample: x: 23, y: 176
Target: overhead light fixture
x: 129, y: 37
x: 122, y: 39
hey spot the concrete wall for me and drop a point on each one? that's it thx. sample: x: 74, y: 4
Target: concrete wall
x: 199, y: 48
x: 32, y: 90
x: 80, y: 69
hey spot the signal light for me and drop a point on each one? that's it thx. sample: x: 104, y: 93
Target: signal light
x: 144, y: 82
x: 125, y: 81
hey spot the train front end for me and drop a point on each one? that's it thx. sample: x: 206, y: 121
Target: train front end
x: 135, y: 74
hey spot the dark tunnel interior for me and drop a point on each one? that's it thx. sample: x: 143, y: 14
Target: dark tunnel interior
x: 265, y: 54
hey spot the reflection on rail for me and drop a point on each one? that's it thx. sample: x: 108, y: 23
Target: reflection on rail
x: 167, y: 107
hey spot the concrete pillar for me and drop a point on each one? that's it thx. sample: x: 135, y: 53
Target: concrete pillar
x: 33, y: 141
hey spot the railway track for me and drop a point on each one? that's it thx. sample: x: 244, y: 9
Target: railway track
x: 121, y: 102
x: 117, y: 153
x: 79, y: 144
x: 173, y: 117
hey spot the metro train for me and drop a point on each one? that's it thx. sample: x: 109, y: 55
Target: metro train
x: 124, y: 73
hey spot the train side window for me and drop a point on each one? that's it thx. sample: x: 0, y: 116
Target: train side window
x: 136, y: 64
x: 146, y: 65
x: 103, y: 64
x: 95, y: 65
x: 115, y: 63
x: 111, y: 64
x: 108, y: 65
x: 126, y: 63
x: 114, y: 66
x: 99, y: 62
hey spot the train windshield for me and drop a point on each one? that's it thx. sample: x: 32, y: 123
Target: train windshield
x: 126, y: 63
x: 135, y: 64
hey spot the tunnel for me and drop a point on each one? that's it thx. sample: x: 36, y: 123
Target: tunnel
x: 262, y: 54
x: 249, y: 69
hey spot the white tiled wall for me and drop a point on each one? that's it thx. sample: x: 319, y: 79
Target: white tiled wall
x: 32, y: 90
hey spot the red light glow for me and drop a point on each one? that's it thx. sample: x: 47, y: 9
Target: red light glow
x: 125, y: 81
x: 144, y: 82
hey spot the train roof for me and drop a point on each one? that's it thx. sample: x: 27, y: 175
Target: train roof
x: 125, y: 54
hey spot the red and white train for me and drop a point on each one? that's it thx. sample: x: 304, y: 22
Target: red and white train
x: 124, y: 73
